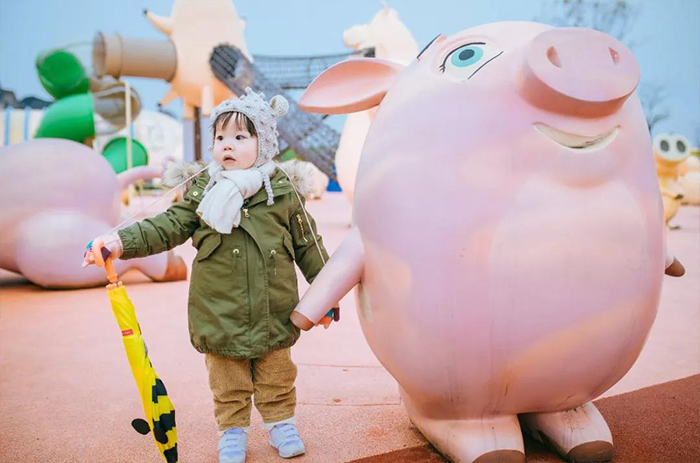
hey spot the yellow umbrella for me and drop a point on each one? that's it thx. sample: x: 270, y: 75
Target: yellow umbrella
x: 160, y: 413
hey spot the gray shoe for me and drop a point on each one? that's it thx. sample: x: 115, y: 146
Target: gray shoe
x: 285, y: 438
x: 232, y: 446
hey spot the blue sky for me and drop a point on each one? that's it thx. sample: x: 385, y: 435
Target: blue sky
x: 666, y: 34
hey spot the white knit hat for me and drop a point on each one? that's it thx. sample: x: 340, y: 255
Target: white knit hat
x: 262, y: 114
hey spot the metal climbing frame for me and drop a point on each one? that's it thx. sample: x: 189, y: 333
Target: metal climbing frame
x: 304, y: 132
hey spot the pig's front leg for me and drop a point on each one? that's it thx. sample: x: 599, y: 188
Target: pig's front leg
x: 340, y: 274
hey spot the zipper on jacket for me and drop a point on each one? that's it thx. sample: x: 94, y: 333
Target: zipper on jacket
x: 301, y: 226
x: 245, y: 212
x: 245, y: 208
x: 273, y: 255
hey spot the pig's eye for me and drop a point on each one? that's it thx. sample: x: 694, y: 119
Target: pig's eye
x: 463, y: 62
x: 466, y: 56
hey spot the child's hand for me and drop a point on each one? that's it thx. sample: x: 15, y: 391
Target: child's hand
x: 111, y: 242
x: 303, y: 323
x: 332, y: 315
x: 325, y: 321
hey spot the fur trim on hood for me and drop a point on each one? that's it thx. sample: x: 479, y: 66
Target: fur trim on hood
x: 176, y: 171
x: 302, y: 176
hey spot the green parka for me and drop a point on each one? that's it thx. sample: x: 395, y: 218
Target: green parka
x: 243, y: 285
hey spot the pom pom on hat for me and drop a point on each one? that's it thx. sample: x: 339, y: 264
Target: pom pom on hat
x: 279, y: 105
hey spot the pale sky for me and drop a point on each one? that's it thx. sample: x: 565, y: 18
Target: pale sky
x: 666, y: 35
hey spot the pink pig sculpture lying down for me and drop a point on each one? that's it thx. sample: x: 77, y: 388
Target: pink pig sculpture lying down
x: 57, y: 195
x: 508, y: 246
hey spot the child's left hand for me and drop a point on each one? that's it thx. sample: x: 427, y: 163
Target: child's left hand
x: 111, y: 242
x: 332, y: 315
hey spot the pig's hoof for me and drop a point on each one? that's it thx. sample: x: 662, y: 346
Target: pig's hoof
x: 502, y: 456
x: 596, y: 451
x: 676, y: 269
x: 176, y: 269
x: 301, y: 321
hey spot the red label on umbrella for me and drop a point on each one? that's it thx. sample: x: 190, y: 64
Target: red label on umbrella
x: 128, y: 332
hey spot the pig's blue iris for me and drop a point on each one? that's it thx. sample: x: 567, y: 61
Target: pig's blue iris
x: 466, y: 56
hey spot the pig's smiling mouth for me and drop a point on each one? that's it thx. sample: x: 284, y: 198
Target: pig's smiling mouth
x: 579, y: 143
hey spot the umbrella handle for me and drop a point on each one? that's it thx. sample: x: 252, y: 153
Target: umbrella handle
x: 103, y: 259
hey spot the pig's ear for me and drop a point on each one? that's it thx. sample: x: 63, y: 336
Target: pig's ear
x: 350, y: 86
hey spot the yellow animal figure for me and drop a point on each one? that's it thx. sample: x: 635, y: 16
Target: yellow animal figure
x: 690, y: 179
x: 669, y: 153
x: 195, y: 27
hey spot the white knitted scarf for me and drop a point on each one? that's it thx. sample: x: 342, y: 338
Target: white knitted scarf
x: 223, y: 198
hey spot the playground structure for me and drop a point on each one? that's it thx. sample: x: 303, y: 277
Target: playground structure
x: 206, y: 60
x: 115, y: 56
x: 193, y: 29
x: 85, y: 108
x: 159, y: 134
x: 155, y: 135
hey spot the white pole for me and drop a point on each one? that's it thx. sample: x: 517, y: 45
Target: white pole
x: 129, y: 155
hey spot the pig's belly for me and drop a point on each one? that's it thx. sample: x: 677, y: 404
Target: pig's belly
x: 543, y: 309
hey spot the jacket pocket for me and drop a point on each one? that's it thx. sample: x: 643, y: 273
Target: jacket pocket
x: 209, y: 246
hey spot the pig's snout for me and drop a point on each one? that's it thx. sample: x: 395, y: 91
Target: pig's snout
x: 575, y: 71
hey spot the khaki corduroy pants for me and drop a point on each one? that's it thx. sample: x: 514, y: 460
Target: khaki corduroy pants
x: 269, y: 379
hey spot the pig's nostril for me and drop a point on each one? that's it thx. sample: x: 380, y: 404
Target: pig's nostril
x: 615, y: 56
x: 553, y: 57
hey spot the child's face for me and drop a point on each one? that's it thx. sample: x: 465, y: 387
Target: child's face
x: 234, y: 146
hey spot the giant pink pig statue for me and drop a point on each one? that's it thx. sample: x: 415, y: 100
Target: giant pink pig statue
x: 55, y: 195
x: 509, y: 234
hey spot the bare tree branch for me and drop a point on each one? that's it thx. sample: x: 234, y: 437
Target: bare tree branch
x: 614, y: 17
x: 653, y: 96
